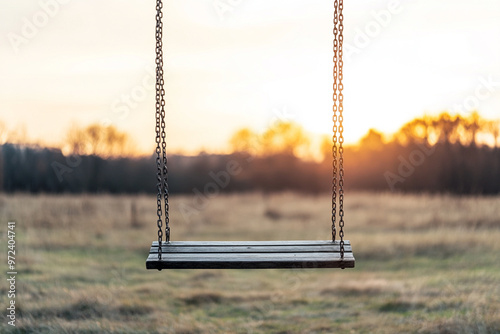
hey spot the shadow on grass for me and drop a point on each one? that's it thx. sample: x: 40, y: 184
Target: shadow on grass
x: 204, y: 298
x: 397, y: 306
x: 353, y: 291
x: 88, y: 309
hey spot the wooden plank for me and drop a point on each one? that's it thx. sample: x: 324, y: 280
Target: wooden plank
x: 252, y: 261
x: 250, y: 249
x: 247, y: 256
x: 250, y: 255
x: 252, y: 243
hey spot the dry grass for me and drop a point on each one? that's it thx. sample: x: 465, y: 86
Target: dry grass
x: 425, y: 264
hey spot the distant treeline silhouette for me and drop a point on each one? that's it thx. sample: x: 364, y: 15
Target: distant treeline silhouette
x: 429, y: 154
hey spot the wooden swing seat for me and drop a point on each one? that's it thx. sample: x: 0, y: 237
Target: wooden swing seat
x: 250, y: 255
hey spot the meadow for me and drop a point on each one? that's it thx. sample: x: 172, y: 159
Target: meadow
x: 424, y: 264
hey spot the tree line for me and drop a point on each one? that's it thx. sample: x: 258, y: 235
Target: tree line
x: 444, y: 153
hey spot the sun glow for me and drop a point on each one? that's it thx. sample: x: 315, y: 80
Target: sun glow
x: 263, y: 60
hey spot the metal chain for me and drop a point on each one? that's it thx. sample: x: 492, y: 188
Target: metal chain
x: 341, y: 126
x: 335, y: 109
x: 161, y: 158
x: 338, y: 120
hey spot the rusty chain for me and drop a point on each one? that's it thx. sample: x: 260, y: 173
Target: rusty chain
x: 341, y: 127
x: 161, y: 155
x: 338, y: 121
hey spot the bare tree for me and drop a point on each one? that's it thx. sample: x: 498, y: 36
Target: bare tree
x: 245, y: 140
x: 95, y: 139
x: 373, y: 140
x: 446, y: 127
x: 493, y: 128
x: 472, y: 125
x: 286, y: 138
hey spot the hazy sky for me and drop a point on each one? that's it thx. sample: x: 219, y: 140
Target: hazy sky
x: 243, y: 65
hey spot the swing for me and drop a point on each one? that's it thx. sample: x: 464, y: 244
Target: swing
x: 167, y: 254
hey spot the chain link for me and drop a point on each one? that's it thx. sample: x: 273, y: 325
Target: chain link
x: 341, y: 127
x: 338, y: 122
x: 161, y: 146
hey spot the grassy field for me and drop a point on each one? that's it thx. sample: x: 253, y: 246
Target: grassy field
x: 425, y: 264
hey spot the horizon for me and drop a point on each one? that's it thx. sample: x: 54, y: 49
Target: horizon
x: 282, y: 137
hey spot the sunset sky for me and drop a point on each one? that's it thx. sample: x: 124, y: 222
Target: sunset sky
x: 81, y: 62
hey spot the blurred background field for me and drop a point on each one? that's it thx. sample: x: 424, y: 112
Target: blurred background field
x: 425, y: 264
x: 251, y: 86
